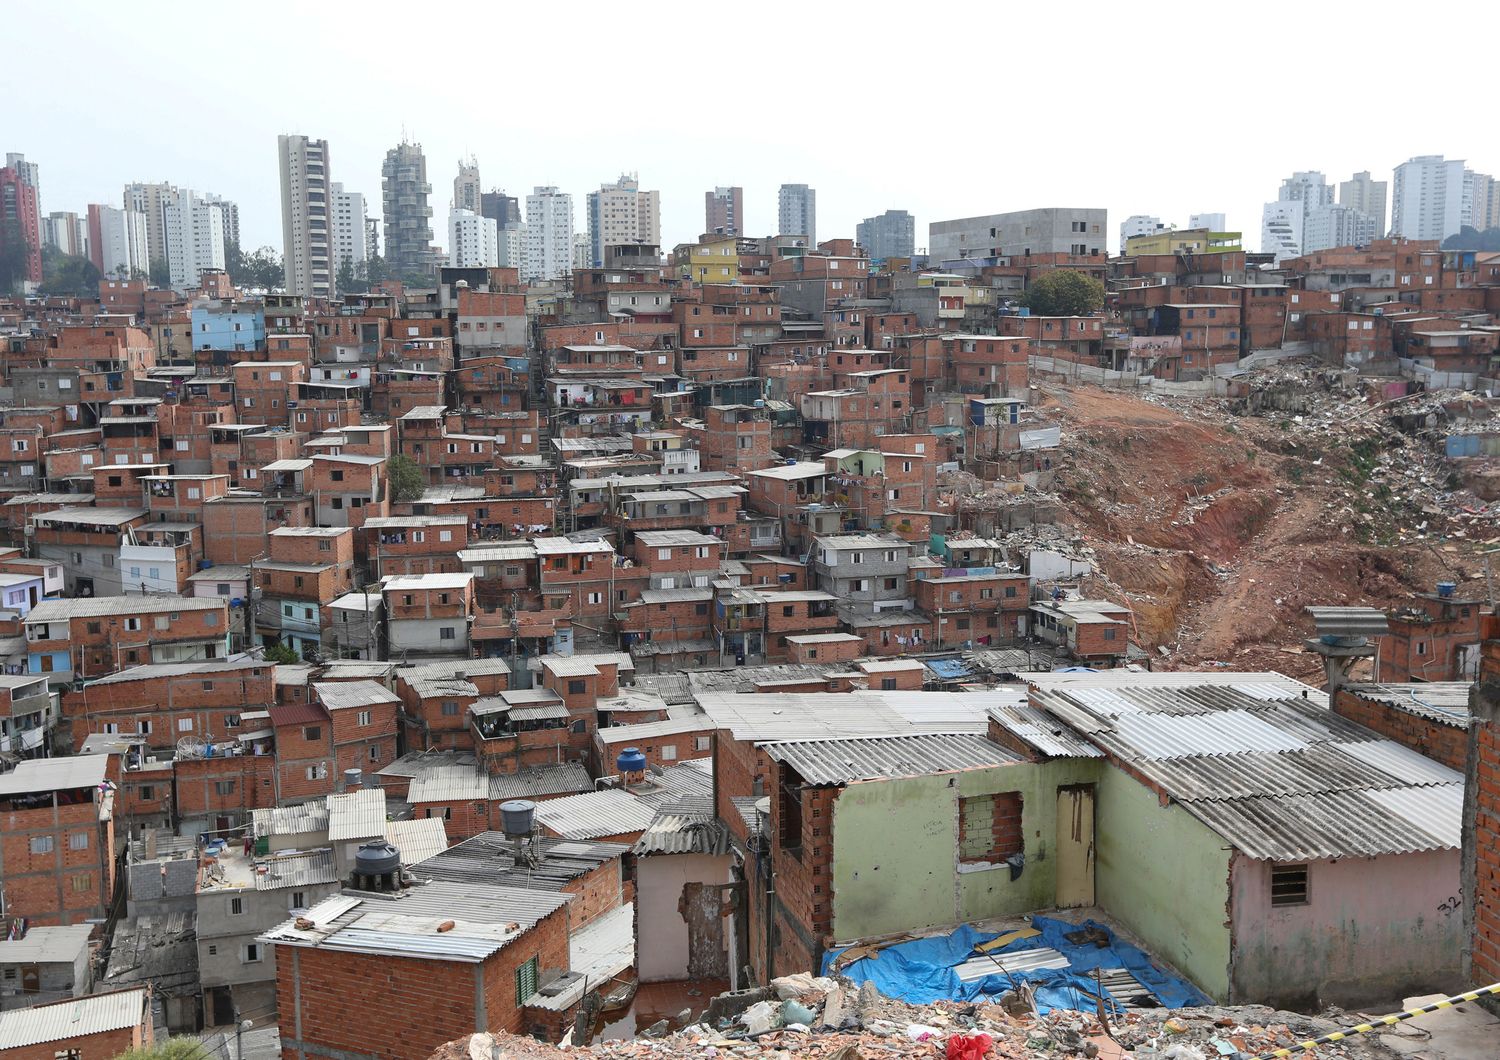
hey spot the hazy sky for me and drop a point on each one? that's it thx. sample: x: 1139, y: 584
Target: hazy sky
x: 945, y: 110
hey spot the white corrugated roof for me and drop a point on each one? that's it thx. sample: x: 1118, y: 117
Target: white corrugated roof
x: 417, y: 840
x: 356, y: 814
x: 594, y: 814
x: 448, y: 784
x: 73, y: 1018
x: 341, y: 695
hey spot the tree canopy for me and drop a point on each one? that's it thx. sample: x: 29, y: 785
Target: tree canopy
x: 1064, y: 293
x: 179, y: 1047
x: 68, y: 274
x: 160, y: 273
x: 408, y: 482
x: 1471, y: 238
x: 259, y: 269
x: 13, y: 252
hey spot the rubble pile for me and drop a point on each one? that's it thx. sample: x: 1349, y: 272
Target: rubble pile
x: 1218, y: 519
x: 834, y: 1019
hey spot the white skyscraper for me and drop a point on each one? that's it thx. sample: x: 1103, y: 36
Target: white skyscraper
x: 1282, y: 222
x: 1214, y: 222
x: 1336, y: 226
x: 117, y: 242
x: 621, y: 213
x: 194, y: 232
x: 350, y: 230
x: 306, y: 229
x: 549, y: 235
x: 1427, y: 201
x: 1281, y: 228
x: 797, y: 212
x: 473, y: 240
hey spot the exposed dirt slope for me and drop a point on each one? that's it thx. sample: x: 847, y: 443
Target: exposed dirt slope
x: 1219, y: 529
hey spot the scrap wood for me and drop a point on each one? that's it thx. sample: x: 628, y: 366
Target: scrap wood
x: 1002, y: 941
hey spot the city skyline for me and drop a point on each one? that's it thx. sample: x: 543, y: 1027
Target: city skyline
x: 683, y: 154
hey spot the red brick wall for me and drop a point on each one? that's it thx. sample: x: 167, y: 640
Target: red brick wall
x: 1445, y: 743
x: 101, y: 1046
x: 424, y: 1003
x: 1481, y: 836
x: 597, y: 892
x: 62, y: 885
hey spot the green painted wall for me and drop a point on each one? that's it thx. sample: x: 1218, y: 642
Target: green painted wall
x: 895, y: 843
x: 1164, y: 875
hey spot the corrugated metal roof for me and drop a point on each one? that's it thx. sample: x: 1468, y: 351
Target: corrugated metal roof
x: 1442, y: 701
x: 1278, y: 775
x: 290, y: 820
x: 485, y: 919
x: 417, y: 840
x: 449, y: 784
x: 595, y: 814
x: 611, y: 735
x: 1349, y: 621
x: 54, y: 774
x: 73, y: 1018
x: 105, y: 606
x: 779, y: 717
x: 1436, y: 810
x: 490, y: 857
x: 1309, y: 827
x: 569, y: 778
x: 561, y: 666
x: 297, y: 714
x: 341, y: 695
x: 875, y: 758
x: 1037, y: 729
x: 46, y: 945
x: 540, y: 712
x: 1403, y: 763
x: 1317, y: 769
x: 677, y: 833
x: 597, y: 952
x: 356, y: 815
x: 1227, y: 732
x: 295, y: 870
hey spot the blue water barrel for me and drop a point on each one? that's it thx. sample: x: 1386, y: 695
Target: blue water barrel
x: 631, y: 760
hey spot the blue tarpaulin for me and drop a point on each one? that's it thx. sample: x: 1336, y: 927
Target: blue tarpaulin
x: 921, y: 971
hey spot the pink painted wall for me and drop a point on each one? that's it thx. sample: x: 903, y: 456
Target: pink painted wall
x: 1375, y: 930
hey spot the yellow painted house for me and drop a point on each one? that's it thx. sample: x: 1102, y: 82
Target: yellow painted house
x: 714, y: 260
x: 1184, y: 241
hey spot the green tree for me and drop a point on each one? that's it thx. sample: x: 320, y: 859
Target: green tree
x: 1064, y: 293
x: 179, y: 1047
x: 376, y: 271
x: 13, y: 253
x: 281, y: 653
x: 68, y: 274
x: 160, y: 273
x: 258, y: 269
x: 349, y: 281
x: 408, y: 482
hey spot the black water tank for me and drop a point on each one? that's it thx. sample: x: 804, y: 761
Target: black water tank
x: 377, y: 858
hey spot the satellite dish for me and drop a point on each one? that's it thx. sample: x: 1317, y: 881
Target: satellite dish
x: 190, y: 747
